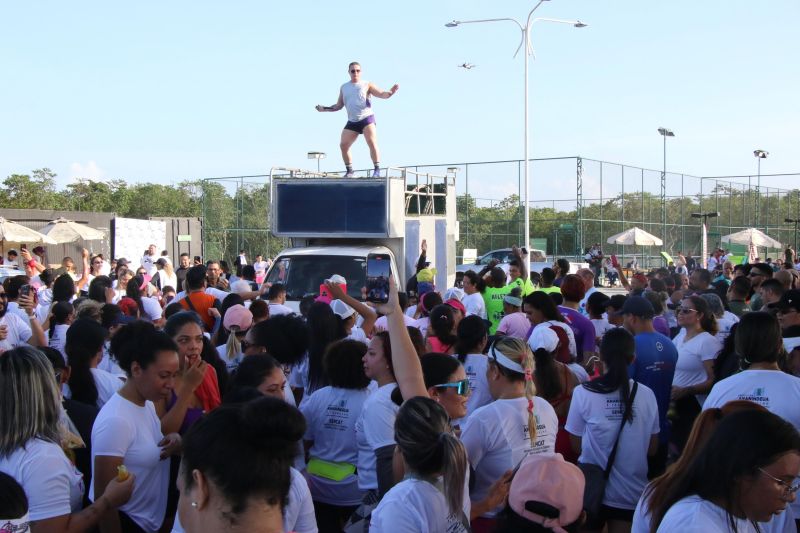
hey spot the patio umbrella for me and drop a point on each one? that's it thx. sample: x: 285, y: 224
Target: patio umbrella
x: 13, y: 232
x: 752, y: 236
x: 62, y: 231
x: 635, y: 236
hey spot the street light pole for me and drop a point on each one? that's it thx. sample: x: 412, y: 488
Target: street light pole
x: 664, y: 132
x: 525, y: 40
x: 760, y: 154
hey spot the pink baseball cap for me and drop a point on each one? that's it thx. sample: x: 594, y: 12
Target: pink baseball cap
x: 238, y: 316
x: 548, y: 479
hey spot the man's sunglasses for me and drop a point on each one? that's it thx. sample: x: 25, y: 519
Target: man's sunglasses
x: 462, y: 387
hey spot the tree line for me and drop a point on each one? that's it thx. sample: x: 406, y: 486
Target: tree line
x: 237, y: 218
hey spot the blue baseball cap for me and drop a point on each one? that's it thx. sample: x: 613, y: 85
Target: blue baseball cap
x: 637, y: 306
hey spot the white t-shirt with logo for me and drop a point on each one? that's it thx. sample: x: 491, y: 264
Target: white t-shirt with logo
x: 496, y: 438
x: 52, y: 484
x: 132, y: 432
x: 777, y: 391
x: 475, y: 367
x: 374, y: 430
x: 474, y: 305
x: 149, y: 264
x: 298, y: 515
x: 689, y: 369
x: 781, y: 523
x: 596, y: 419
x: 696, y: 515
x: 414, y: 506
x: 331, y: 415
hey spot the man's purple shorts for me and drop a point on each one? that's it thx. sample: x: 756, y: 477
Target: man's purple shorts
x: 359, y: 126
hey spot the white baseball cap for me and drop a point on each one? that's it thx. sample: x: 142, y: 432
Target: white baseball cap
x: 543, y: 337
x: 341, y: 309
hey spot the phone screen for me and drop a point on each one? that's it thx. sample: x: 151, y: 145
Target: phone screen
x: 378, y: 272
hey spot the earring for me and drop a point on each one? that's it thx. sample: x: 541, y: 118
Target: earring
x: 194, y: 504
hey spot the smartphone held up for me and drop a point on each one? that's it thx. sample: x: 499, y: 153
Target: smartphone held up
x: 378, y: 272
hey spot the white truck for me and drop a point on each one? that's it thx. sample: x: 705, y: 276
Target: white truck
x: 335, y: 223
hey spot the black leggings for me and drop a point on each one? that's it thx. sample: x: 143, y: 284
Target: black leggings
x: 332, y: 518
x: 686, y: 411
x: 127, y: 525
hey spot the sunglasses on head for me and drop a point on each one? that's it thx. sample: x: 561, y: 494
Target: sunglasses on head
x: 462, y: 387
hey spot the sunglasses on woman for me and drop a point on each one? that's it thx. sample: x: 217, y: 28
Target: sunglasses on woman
x: 462, y: 386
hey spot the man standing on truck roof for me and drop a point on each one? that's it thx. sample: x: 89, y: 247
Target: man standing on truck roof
x: 355, y: 96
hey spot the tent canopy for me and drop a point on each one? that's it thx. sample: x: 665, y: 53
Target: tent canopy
x: 62, y: 231
x: 13, y: 232
x: 635, y: 236
x: 752, y: 236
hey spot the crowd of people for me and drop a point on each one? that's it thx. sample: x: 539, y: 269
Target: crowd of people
x: 144, y: 397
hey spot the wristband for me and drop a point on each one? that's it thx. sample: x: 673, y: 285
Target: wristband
x: 31, y: 263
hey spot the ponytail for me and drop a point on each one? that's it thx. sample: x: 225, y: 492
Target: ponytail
x: 61, y: 312
x: 85, y: 339
x: 423, y: 434
x: 233, y: 346
x: 617, y: 350
x: 454, y: 470
x: 471, y: 333
x: 519, y: 352
x: 133, y: 290
x: 547, y: 375
x: 530, y: 392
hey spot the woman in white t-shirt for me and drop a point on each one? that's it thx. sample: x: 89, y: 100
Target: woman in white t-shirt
x: 431, y: 495
x: 473, y: 299
x: 694, y: 371
x: 703, y: 428
x: 62, y: 315
x: 128, y: 430
x: 472, y: 338
x: 593, y: 422
x: 517, y: 423
x: 84, y: 347
x: 31, y: 450
x: 375, y: 426
x: 331, y: 413
x: 249, y: 493
x: 745, y: 473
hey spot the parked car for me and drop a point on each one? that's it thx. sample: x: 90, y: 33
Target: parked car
x: 504, y: 255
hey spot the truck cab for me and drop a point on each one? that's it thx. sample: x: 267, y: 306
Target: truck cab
x: 334, y: 224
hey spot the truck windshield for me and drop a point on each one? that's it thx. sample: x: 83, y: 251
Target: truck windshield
x: 302, y: 275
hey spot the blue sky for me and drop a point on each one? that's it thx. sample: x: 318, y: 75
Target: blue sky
x: 166, y: 91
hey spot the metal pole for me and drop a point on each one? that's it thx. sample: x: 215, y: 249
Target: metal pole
x: 527, y: 232
x: 664, y: 196
x: 758, y: 194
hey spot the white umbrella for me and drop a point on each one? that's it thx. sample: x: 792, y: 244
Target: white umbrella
x: 635, y: 236
x: 62, y: 231
x: 752, y: 236
x: 13, y: 232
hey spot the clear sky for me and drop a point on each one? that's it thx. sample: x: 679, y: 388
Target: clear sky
x: 166, y: 91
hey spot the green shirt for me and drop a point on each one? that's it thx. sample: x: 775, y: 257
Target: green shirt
x: 548, y: 290
x: 493, y: 298
x: 526, y: 286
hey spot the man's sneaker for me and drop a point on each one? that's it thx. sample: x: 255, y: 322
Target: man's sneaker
x: 376, y: 173
x: 349, y: 174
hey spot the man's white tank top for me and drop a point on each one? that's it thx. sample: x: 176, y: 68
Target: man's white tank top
x: 356, y: 100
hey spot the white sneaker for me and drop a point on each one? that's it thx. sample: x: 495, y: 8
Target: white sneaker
x: 349, y: 174
x: 376, y: 173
